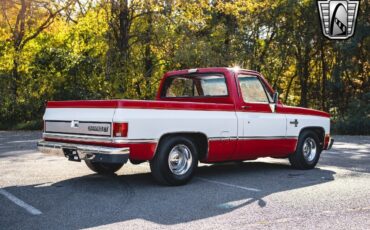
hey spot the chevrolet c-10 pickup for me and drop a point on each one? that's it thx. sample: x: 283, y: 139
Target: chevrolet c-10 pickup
x: 199, y: 115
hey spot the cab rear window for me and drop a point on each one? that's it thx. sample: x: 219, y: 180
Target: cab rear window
x: 195, y: 85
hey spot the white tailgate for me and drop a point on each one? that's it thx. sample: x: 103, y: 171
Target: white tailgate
x: 82, y: 121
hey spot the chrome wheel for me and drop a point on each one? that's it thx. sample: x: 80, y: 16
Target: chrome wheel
x: 309, y: 149
x: 180, y: 159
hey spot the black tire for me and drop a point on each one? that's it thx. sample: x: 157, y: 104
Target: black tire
x: 299, y: 159
x: 103, y: 168
x: 136, y: 162
x: 160, y: 164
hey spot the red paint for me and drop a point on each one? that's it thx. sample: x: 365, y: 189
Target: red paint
x: 220, y: 150
x: 254, y: 148
x: 140, y: 104
x: 143, y: 151
x: 303, y: 111
x: 138, y: 151
x: 103, y: 104
x: 219, y: 100
x: 248, y: 149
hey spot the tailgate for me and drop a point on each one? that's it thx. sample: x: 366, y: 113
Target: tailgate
x: 79, y: 121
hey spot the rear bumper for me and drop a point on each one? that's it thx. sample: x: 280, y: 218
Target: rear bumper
x: 79, y: 152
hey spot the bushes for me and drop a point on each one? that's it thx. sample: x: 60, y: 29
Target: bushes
x: 356, y: 120
x: 27, y: 125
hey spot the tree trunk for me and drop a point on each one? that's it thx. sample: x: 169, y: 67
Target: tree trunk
x: 289, y: 87
x: 148, y: 59
x: 324, y: 73
x: 304, y: 77
x: 124, y: 25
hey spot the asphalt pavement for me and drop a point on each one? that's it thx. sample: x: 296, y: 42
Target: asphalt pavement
x: 43, y: 192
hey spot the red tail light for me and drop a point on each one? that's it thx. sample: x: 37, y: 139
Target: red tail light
x: 120, y: 129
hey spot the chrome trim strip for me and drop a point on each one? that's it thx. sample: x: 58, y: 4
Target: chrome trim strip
x: 120, y: 141
x: 98, y: 139
x: 56, y: 148
x: 78, y: 137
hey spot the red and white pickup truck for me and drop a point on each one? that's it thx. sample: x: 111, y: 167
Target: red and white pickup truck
x: 206, y: 114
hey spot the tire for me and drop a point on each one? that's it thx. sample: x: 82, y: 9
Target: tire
x: 103, y: 168
x: 308, y: 151
x: 175, y: 161
x: 136, y: 162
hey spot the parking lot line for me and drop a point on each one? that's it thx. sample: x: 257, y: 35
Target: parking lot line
x: 229, y: 185
x: 20, y: 202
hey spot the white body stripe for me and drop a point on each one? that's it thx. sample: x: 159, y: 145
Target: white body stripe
x: 306, y: 121
x: 153, y: 123
x: 79, y: 114
x: 262, y: 124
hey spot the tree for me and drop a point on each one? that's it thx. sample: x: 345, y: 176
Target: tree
x: 22, y: 19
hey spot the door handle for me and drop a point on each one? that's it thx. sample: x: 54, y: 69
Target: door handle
x: 246, y: 107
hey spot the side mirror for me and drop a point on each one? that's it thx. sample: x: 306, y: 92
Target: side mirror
x: 275, y: 97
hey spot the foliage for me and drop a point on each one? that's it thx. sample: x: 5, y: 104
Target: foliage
x: 356, y: 120
x: 70, y: 50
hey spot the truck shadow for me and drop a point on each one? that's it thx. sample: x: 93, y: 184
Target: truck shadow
x: 95, y: 200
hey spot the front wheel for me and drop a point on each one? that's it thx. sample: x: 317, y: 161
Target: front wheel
x: 103, y: 168
x: 175, y: 161
x: 308, y: 151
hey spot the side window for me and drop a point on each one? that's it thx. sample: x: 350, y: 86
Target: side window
x: 252, y: 89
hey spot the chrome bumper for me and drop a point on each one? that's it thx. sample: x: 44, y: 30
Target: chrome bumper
x: 85, y: 152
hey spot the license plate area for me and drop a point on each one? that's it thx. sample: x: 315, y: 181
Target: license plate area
x: 71, y: 154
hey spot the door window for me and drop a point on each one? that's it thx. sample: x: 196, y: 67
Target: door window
x: 252, y: 89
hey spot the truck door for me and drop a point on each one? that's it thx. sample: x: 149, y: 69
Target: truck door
x: 262, y: 131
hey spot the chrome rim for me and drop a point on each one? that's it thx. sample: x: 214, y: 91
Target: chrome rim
x: 309, y: 149
x: 180, y: 159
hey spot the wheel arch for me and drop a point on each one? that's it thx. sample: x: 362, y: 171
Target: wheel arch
x: 320, y: 132
x: 200, y: 140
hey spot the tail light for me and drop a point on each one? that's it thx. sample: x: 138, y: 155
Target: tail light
x: 120, y: 129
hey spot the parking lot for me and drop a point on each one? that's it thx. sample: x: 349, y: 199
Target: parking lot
x: 43, y: 192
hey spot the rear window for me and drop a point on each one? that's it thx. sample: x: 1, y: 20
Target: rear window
x: 195, y: 85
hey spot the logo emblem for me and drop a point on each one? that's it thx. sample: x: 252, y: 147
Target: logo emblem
x: 338, y: 18
x: 98, y: 128
x: 75, y: 124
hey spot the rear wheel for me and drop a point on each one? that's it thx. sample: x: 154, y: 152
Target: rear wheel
x: 308, y: 151
x: 175, y: 161
x: 103, y: 168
